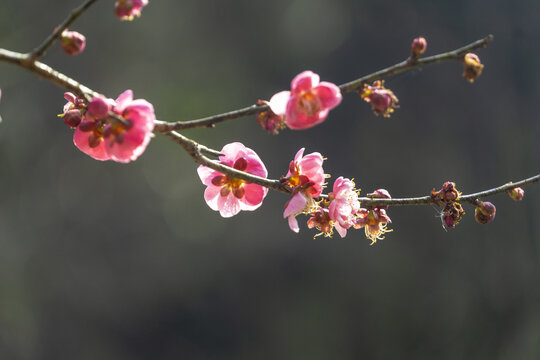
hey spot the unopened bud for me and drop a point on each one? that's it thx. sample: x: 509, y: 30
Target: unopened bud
x: 381, y: 194
x: 472, y: 67
x: 484, y: 212
x: 73, y: 42
x: 516, y: 193
x: 418, y: 46
x: 87, y: 125
x: 72, y: 118
x: 99, y: 107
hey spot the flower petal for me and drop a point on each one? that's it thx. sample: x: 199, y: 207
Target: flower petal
x: 253, y: 196
x: 328, y: 94
x: 211, y: 195
x: 293, y: 224
x: 304, y: 81
x: 295, y: 205
x: 278, y: 102
x: 228, y: 205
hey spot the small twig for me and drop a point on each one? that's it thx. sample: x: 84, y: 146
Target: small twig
x: 354, y: 85
x: 413, y: 63
x: 57, y: 32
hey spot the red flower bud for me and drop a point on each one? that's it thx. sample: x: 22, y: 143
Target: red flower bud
x: 73, y: 118
x: 418, y: 47
x: 73, y: 42
x: 484, y: 212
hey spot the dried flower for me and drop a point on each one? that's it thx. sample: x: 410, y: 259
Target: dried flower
x: 382, y: 100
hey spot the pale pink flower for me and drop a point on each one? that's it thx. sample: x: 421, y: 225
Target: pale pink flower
x: 343, y: 205
x: 229, y: 195
x: 128, y: 9
x: 109, y: 139
x: 308, y: 102
x: 306, y: 177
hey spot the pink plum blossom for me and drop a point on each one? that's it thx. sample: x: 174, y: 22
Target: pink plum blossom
x: 121, y: 140
x: 230, y: 195
x: 128, y: 9
x: 308, y: 102
x: 306, y: 177
x: 343, y: 205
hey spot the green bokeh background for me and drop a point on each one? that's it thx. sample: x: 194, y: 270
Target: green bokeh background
x: 109, y: 261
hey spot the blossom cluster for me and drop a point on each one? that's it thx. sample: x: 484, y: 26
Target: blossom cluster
x: 108, y: 129
x: 339, y: 210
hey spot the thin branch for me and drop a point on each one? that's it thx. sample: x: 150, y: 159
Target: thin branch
x: 196, y: 151
x: 355, y: 85
x: 414, y: 63
x: 57, y: 32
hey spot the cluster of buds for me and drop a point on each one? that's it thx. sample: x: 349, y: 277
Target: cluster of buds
x: 447, y: 198
x: 382, y: 100
x: 106, y: 129
x: 472, y: 67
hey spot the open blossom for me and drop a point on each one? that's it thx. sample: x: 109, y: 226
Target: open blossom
x: 306, y: 177
x: 308, y: 102
x: 343, y: 205
x: 229, y: 195
x: 121, y: 139
x: 128, y: 9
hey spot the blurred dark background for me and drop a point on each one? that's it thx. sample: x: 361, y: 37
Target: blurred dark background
x: 109, y: 261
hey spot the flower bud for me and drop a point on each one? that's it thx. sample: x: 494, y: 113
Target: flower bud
x: 484, y: 212
x: 472, y: 67
x: 418, y: 47
x: 99, y: 107
x: 382, y: 194
x: 516, y: 193
x: 72, y: 118
x: 72, y: 42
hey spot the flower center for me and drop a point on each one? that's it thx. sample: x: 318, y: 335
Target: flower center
x: 308, y: 103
